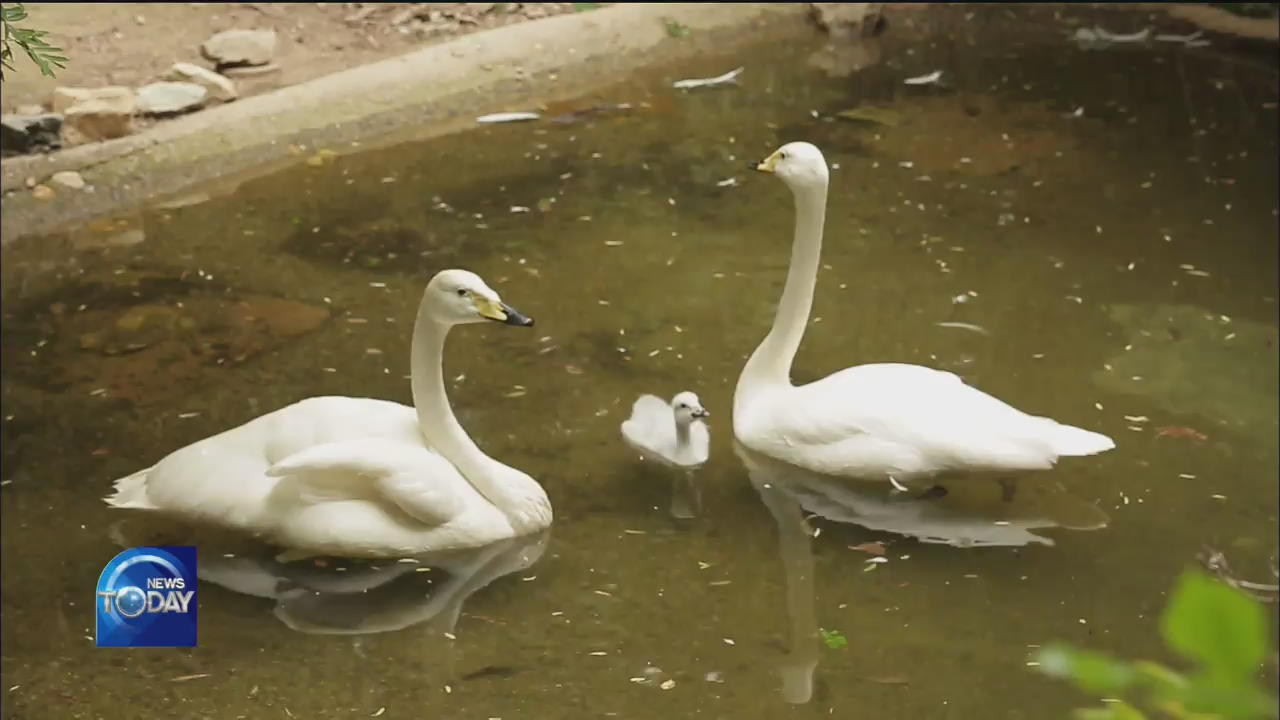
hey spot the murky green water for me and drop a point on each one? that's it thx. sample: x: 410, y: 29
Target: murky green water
x: 1123, y: 264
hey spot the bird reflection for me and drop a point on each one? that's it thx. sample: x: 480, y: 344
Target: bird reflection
x: 350, y: 597
x: 961, y: 513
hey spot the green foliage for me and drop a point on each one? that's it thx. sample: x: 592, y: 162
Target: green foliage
x: 675, y: 29
x: 832, y: 638
x: 583, y: 7
x: 44, y: 55
x: 1220, y: 630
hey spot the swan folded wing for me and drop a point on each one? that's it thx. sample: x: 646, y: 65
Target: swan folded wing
x: 651, y: 425
x: 413, y: 478
x: 928, y: 420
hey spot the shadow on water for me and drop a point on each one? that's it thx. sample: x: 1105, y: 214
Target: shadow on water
x: 1095, y: 227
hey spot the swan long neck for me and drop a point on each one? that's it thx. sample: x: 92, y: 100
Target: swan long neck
x: 771, y: 362
x: 512, y: 492
x: 682, y: 435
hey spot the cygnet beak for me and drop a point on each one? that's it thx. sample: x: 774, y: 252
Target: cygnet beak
x: 700, y: 413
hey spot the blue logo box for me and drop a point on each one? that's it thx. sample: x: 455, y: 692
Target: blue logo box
x: 147, y: 598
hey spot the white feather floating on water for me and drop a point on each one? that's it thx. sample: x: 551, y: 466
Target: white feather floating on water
x: 729, y: 78
x: 507, y: 117
x: 929, y: 79
x: 964, y: 326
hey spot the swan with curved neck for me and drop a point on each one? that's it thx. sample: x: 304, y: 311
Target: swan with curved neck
x: 881, y: 420
x: 357, y: 476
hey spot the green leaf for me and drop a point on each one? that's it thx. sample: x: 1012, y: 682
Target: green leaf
x: 833, y: 639
x: 675, y: 29
x: 1215, y: 625
x: 1236, y: 700
x: 1091, y: 671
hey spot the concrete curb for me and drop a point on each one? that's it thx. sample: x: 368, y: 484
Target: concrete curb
x: 426, y: 93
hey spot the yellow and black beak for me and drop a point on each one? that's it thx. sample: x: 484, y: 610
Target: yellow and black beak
x: 502, y: 312
x: 766, y: 165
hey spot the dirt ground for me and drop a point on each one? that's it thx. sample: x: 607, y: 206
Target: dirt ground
x: 134, y: 43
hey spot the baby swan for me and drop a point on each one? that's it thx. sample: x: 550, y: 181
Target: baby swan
x: 673, y: 434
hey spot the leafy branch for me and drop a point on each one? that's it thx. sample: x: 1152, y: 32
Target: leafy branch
x: 32, y: 42
x: 1216, y: 627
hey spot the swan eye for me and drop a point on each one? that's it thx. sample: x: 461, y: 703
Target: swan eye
x: 462, y: 292
x: 782, y: 156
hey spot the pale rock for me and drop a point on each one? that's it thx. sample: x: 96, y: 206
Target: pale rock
x: 240, y: 47
x: 250, y: 70
x: 116, y: 95
x: 98, y: 120
x: 219, y: 87
x: 69, y: 179
x: 163, y: 98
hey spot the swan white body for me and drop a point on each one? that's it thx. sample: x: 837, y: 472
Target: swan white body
x: 671, y: 433
x: 877, y: 421
x: 358, y: 477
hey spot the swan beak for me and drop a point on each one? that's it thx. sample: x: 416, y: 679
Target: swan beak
x: 700, y: 413
x: 502, y: 312
x: 765, y: 165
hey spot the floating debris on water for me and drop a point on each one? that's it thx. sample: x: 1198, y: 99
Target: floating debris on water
x: 507, y: 117
x: 729, y: 78
x: 930, y: 79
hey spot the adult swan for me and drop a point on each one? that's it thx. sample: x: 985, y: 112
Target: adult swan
x: 358, y: 477
x: 880, y: 421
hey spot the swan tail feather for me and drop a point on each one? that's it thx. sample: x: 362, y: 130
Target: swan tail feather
x: 1069, y: 441
x: 131, y: 492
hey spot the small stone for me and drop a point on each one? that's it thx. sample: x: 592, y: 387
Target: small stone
x: 68, y: 178
x: 22, y: 133
x: 240, y: 47
x: 165, y: 98
x: 218, y: 86
x: 42, y: 192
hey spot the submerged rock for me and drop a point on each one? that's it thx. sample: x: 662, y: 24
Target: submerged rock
x: 165, y: 98
x: 30, y: 133
x: 1190, y: 361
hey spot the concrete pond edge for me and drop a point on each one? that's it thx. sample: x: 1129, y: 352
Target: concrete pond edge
x: 427, y: 93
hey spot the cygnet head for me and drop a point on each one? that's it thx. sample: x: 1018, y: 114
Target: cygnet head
x: 687, y: 408
x: 799, y: 165
x: 459, y: 297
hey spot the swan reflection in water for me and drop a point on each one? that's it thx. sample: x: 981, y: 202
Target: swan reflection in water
x: 963, y: 513
x: 359, y: 597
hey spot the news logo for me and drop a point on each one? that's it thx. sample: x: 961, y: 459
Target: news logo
x: 147, y: 598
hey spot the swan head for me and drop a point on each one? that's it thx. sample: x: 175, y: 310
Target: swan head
x: 687, y: 408
x: 798, y: 164
x: 459, y: 297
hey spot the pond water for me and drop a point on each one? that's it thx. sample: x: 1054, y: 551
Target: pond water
x: 1121, y: 263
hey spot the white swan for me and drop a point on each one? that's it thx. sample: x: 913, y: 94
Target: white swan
x: 671, y: 433
x: 877, y: 421
x: 358, y: 477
